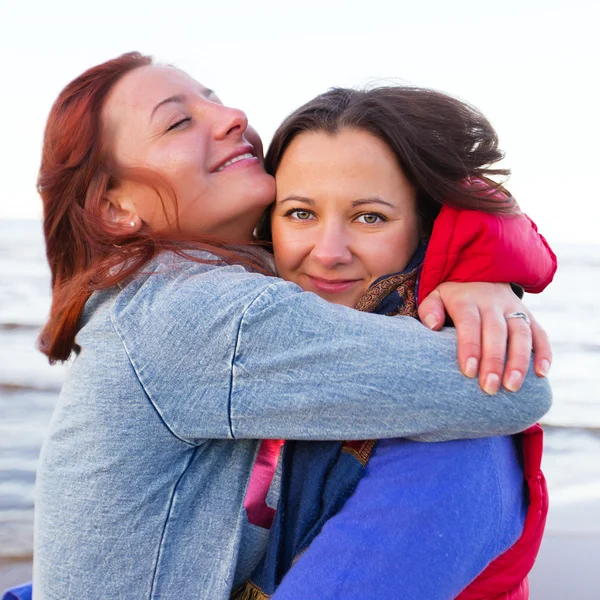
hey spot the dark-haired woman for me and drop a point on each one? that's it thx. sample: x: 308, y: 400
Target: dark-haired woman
x: 186, y: 354
x: 361, y: 178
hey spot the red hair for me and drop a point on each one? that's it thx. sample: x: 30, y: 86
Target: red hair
x: 76, y: 172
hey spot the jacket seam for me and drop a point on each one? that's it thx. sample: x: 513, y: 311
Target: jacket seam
x: 161, y: 544
x: 144, y: 389
x: 235, y: 353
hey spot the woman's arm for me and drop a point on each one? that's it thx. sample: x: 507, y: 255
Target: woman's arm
x: 469, y: 245
x: 499, y: 347
x: 229, y: 354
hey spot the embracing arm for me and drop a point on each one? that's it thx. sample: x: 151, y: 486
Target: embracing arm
x: 335, y: 373
x: 228, y: 354
x: 468, y: 246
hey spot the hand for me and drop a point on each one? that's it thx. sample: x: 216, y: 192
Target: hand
x: 478, y: 311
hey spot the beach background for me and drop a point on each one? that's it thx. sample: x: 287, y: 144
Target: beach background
x: 531, y: 66
x: 569, y: 309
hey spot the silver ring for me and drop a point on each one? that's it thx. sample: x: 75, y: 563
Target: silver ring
x: 518, y: 315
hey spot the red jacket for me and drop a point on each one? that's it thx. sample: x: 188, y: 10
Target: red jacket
x: 473, y: 246
x: 505, y: 578
x: 468, y: 245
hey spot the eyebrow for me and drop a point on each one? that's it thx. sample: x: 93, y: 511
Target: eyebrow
x: 178, y: 99
x: 373, y: 200
x: 294, y: 198
x: 355, y: 203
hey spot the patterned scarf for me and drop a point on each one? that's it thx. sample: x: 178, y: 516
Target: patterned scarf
x: 318, y: 477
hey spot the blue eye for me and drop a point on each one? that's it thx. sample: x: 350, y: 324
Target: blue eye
x: 177, y: 124
x: 371, y: 218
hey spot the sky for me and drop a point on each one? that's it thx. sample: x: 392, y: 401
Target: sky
x: 531, y: 66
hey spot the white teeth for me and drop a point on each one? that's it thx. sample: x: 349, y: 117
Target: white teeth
x: 235, y: 159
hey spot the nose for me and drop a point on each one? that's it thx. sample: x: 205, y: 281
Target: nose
x: 332, y: 247
x: 230, y: 122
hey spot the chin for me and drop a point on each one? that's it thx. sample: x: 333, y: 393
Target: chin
x: 259, y: 195
x: 342, y: 302
x: 335, y: 299
x: 265, y: 183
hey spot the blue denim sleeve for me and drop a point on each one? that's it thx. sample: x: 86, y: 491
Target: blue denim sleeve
x: 222, y: 353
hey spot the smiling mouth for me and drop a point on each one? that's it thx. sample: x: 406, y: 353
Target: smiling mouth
x: 332, y: 286
x: 235, y: 159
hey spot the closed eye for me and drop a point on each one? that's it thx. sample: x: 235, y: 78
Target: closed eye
x: 178, y: 124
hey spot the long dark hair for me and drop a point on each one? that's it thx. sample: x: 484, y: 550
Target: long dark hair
x: 76, y: 172
x: 445, y: 147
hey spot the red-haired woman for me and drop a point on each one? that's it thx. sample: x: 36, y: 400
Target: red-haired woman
x: 187, y: 352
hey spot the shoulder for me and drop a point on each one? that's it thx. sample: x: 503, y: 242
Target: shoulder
x: 175, y: 289
x: 478, y: 483
x: 178, y: 321
x: 471, y: 461
x: 470, y: 245
x: 480, y: 474
x: 452, y: 460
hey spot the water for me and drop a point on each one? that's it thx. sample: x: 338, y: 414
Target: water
x: 569, y: 309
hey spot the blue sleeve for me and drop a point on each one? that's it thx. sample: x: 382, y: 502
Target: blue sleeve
x: 222, y: 353
x: 423, y: 522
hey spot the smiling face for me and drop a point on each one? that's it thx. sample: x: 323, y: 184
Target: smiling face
x: 161, y: 119
x: 345, y: 214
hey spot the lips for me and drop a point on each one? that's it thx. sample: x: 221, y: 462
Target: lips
x: 331, y: 286
x: 239, y: 155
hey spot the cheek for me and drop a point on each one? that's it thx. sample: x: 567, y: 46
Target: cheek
x: 281, y: 249
x: 392, y: 253
x: 182, y: 165
x: 404, y: 246
x: 187, y: 181
x: 288, y: 248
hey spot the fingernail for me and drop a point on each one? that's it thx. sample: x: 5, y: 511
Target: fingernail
x: 544, y: 368
x: 492, y: 383
x: 513, y: 383
x: 430, y: 321
x: 471, y: 367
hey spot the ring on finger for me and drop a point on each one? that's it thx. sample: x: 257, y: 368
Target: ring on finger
x: 518, y: 315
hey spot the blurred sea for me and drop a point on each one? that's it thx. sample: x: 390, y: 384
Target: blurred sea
x: 569, y: 309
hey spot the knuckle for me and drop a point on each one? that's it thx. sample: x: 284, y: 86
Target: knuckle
x: 520, y: 328
x: 464, y: 313
x: 495, y: 361
x: 496, y: 332
x: 518, y: 324
x: 471, y: 347
x: 541, y: 338
x: 468, y: 333
x: 520, y: 358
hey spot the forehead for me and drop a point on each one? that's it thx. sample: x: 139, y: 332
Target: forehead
x: 135, y: 95
x: 349, y: 156
x: 349, y: 165
x: 348, y: 148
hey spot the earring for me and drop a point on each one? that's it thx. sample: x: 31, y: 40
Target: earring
x: 132, y: 223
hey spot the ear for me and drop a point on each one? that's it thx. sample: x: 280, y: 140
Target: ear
x: 119, y: 213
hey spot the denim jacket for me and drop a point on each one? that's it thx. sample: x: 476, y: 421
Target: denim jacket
x: 178, y: 375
